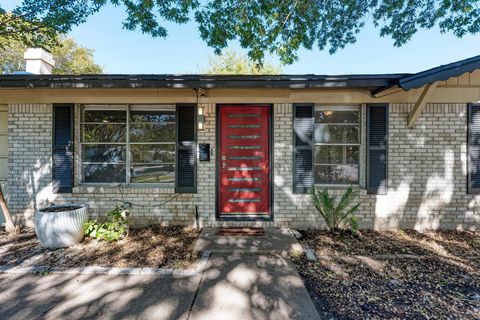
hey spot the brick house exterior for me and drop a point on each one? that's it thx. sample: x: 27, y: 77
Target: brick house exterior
x: 427, y: 164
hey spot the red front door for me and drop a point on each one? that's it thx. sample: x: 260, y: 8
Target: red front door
x: 244, y: 188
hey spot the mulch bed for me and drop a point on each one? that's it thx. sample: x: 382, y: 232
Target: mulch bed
x: 394, y: 275
x: 154, y: 246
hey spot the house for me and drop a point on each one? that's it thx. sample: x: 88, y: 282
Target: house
x: 245, y: 150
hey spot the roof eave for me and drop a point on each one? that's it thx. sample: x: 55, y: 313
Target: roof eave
x: 441, y: 73
x: 444, y: 74
x: 183, y: 82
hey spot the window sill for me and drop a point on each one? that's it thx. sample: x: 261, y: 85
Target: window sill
x: 338, y: 186
x: 131, y: 188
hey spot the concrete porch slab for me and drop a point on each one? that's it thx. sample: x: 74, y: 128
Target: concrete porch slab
x: 275, y: 240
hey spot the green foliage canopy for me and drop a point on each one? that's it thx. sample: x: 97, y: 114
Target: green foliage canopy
x: 70, y: 58
x: 260, y: 26
x: 232, y: 62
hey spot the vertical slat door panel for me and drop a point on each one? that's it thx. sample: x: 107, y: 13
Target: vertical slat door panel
x: 62, y: 157
x: 377, y: 149
x: 244, y: 184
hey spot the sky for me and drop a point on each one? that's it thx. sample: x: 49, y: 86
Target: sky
x: 183, y: 51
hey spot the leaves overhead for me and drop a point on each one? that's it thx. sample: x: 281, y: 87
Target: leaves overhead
x: 231, y: 62
x: 14, y: 29
x: 70, y: 58
x: 260, y: 26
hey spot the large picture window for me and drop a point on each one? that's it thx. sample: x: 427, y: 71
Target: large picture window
x: 128, y: 144
x: 337, y: 144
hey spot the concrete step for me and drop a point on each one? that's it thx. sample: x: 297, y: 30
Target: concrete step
x: 274, y: 240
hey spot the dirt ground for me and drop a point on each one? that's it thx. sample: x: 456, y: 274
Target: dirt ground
x: 154, y: 246
x: 394, y: 275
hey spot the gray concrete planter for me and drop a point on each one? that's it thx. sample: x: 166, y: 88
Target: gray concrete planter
x: 61, y: 225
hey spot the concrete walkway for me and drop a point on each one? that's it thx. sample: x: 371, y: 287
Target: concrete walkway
x: 252, y: 287
x: 28, y: 296
x: 232, y: 286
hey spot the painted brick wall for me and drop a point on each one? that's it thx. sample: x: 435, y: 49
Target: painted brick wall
x: 29, y: 178
x: 29, y: 159
x: 427, y: 173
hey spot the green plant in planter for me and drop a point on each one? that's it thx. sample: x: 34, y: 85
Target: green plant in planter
x: 115, y: 228
x: 337, y: 215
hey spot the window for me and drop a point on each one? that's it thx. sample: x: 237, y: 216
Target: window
x: 337, y: 144
x: 128, y: 144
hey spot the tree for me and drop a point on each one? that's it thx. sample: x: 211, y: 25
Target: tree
x: 9, y: 225
x: 14, y: 29
x: 278, y: 27
x: 231, y: 62
x: 70, y: 58
x: 36, y: 23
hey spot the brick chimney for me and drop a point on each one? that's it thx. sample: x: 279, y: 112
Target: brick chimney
x: 38, y: 61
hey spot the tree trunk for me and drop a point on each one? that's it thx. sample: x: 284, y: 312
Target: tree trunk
x: 9, y: 226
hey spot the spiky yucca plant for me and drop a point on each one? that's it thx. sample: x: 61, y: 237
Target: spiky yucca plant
x: 337, y: 215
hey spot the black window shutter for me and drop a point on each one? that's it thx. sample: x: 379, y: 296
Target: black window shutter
x: 303, y: 148
x: 377, y: 149
x: 186, y: 165
x: 62, y: 149
x: 473, y: 148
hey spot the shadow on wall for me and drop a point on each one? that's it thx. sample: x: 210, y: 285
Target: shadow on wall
x: 427, y: 187
x: 431, y: 193
x: 418, y: 201
x: 427, y: 178
x: 439, y: 201
x: 407, y: 206
x: 33, y: 190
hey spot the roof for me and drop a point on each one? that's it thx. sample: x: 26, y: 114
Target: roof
x: 376, y: 83
x: 441, y: 73
x: 198, y: 81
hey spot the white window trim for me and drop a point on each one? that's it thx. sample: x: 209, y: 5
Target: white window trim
x: 152, y: 107
x: 342, y: 107
x: 100, y: 107
x: 127, y: 108
x: 337, y: 107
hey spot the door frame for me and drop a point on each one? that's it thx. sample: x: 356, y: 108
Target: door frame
x: 218, y: 216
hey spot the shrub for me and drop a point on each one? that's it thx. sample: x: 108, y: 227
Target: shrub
x: 115, y: 228
x: 337, y: 215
